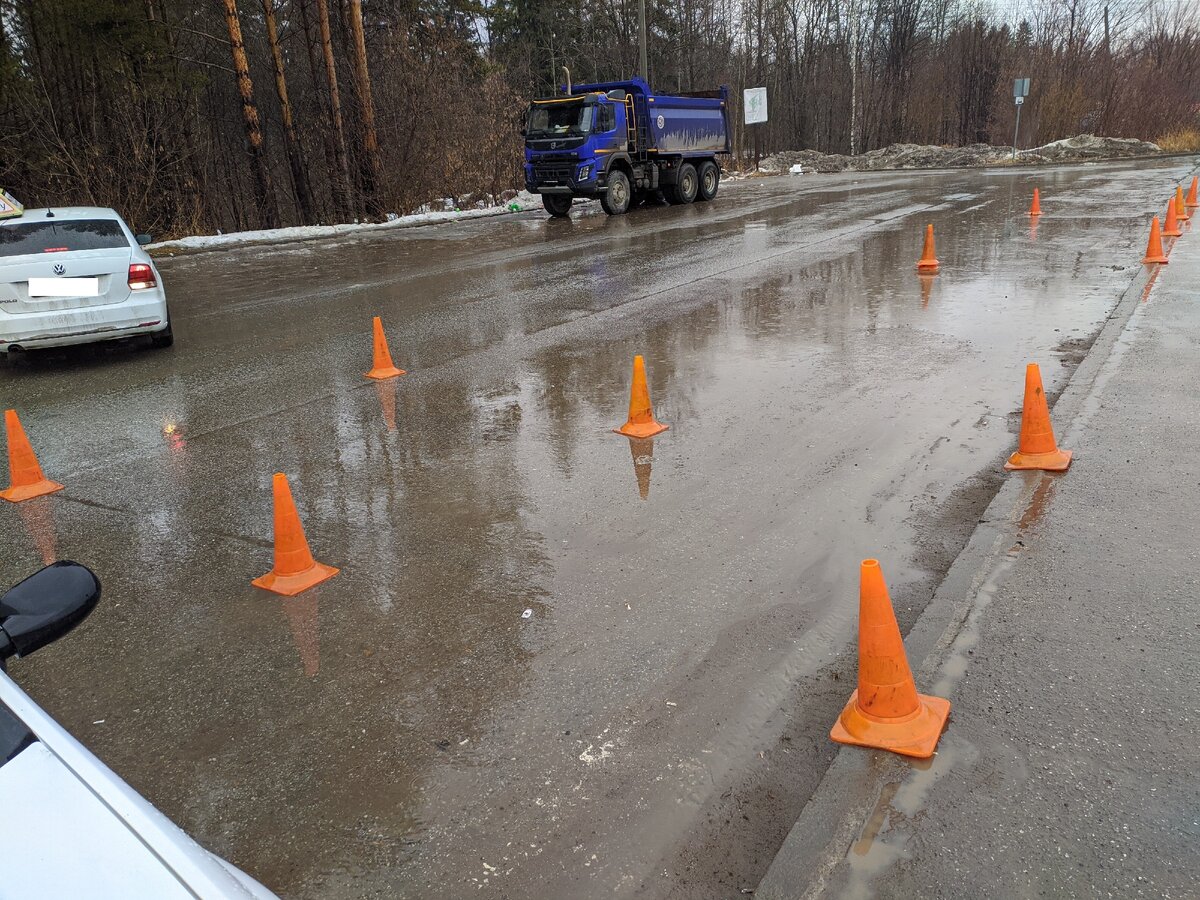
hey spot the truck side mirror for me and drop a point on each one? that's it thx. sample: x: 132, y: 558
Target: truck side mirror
x: 45, y: 606
x: 523, y: 132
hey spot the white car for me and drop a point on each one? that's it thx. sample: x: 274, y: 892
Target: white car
x: 75, y: 275
x: 70, y: 828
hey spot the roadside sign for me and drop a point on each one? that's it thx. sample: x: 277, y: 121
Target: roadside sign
x: 1020, y: 92
x: 755, y: 104
x: 9, y: 206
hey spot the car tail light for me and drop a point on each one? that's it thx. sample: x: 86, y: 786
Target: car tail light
x: 141, y: 277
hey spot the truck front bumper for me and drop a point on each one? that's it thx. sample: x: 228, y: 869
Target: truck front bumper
x: 561, y: 177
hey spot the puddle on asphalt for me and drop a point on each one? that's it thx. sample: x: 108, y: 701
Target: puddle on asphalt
x: 405, y: 715
x: 891, y: 826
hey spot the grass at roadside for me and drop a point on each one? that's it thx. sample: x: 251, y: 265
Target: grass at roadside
x: 1181, y: 140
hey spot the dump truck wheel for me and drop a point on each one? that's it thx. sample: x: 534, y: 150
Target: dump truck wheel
x: 686, y: 185
x: 616, y: 200
x: 557, y: 205
x: 710, y: 180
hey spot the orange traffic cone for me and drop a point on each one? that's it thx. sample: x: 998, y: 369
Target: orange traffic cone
x: 1171, y: 228
x: 382, y: 367
x: 295, y: 569
x: 1037, y: 448
x: 886, y: 712
x: 1036, y: 208
x: 641, y: 422
x: 1154, y: 250
x: 1180, y: 207
x: 928, y: 261
x: 26, y: 480
x: 1192, y: 202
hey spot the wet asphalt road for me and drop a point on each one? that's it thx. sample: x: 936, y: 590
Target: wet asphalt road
x: 655, y: 726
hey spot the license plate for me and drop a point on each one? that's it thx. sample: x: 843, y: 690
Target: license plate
x: 64, y: 287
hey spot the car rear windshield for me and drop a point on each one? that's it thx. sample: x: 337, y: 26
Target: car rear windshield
x: 20, y: 238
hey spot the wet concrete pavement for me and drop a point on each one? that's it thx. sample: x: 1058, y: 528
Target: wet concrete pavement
x: 1065, y: 637
x: 657, y: 723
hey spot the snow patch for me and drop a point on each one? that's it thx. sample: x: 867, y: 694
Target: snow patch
x: 522, y: 202
x: 918, y: 156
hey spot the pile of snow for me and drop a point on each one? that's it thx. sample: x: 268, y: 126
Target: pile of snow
x: 1088, y: 146
x: 519, y: 202
x: 920, y: 156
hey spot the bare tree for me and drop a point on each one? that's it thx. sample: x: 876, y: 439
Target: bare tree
x: 130, y: 103
x: 342, y: 182
x: 294, y: 151
x: 366, y: 106
x: 264, y: 190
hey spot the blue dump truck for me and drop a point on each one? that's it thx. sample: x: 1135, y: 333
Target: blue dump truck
x: 624, y: 144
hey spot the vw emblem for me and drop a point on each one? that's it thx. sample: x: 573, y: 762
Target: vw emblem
x: 59, y: 268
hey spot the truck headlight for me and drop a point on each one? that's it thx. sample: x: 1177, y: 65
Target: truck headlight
x: 585, y: 172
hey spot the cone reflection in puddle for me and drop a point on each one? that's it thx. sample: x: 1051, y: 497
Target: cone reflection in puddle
x: 1150, y: 285
x: 301, y: 614
x: 926, y: 288
x: 387, y: 401
x: 38, y: 518
x: 642, y: 450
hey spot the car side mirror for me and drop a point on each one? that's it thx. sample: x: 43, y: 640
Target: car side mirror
x: 45, y: 606
x: 144, y: 239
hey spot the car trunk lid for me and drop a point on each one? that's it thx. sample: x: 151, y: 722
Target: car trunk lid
x: 72, y: 264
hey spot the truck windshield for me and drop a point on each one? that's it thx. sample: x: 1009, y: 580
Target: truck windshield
x: 558, y: 119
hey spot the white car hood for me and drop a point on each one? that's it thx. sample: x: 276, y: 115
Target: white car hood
x: 59, y: 840
x: 70, y: 828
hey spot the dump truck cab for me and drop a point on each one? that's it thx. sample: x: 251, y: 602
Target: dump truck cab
x: 569, y: 142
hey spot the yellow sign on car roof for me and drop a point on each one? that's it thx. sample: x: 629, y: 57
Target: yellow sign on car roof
x: 9, y: 206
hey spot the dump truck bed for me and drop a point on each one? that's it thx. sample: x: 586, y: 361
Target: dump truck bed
x: 684, y: 124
